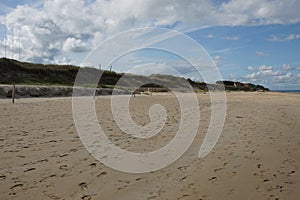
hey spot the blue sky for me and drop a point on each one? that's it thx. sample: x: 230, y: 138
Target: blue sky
x: 251, y: 41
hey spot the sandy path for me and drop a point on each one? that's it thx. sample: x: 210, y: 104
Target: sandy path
x: 256, y: 157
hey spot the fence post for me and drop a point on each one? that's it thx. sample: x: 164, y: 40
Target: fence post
x: 13, y: 93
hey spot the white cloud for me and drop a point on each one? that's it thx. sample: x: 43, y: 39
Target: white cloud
x: 265, y: 68
x: 228, y: 50
x: 232, y: 38
x: 75, y: 45
x: 287, y: 67
x: 293, y: 36
x: 237, y: 12
x: 285, y: 77
x: 217, y: 58
x: 267, y: 75
x: 284, y: 39
x: 210, y: 36
x: 250, y: 68
x: 45, y: 30
x: 253, y: 75
x: 260, y: 53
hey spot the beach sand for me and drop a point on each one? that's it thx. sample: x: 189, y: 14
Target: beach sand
x: 256, y: 157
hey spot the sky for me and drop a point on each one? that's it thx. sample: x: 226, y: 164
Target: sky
x: 255, y: 41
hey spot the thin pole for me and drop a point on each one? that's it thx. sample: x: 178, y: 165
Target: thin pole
x: 5, y: 37
x: 13, y: 93
x: 13, y: 41
x: 19, y: 47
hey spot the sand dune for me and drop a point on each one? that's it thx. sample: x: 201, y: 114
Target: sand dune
x: 256, y: 157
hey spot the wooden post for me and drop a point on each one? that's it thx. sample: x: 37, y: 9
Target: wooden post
x: 150, y: 91
x: 94, y: 97
x: 13, y: 93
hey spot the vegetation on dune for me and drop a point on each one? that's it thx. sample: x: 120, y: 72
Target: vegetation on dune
x: 15, y: 72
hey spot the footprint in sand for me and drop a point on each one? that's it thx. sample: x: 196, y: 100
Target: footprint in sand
x: 183, y: 196
x: 64, y: 167
x: 83, y: 185
x: 63, y: 155
x: 152, y: 197
x: 125, y: 186
x: 218, y: 169
x: 182, y: 179
x: 16, y: 185
x: 30, y: 169
x: 72, y: 150
x: 183, y: 167
x: 102, y: 174
x: 86, y: 197
x: 2, y: 177
x: 43, y: 160
x: 212, y: 178
x: 259, y: 166
x: 291, y: 172
x: 121, y: 188
x: 93, y: 164
x: 45, y: 178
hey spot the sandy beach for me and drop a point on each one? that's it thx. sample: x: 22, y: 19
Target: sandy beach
x: 256, y: 157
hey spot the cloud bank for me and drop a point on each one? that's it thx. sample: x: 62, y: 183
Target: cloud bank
x: 56, y: 28
x: 274, y: 76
